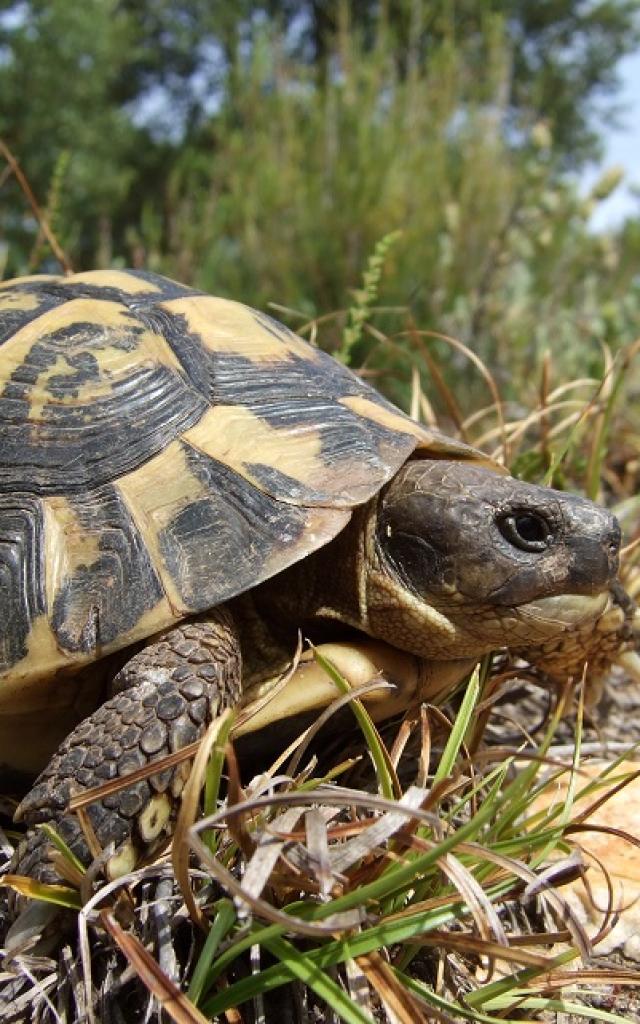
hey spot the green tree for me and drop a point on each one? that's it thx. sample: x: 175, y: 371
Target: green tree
x: 56, y: 81
x: 262, y: 150
x: 563, y: 53
x: 131, y: 90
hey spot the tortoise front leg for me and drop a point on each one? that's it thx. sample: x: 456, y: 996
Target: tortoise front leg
x: 405, y: 680
x: 164, y: 698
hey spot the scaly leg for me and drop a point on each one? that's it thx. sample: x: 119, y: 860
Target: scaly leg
x: 164, y: 698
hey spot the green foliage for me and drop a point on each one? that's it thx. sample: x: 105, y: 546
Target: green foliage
x: 263, y: 149
x: 56, y: 96
x: 52, y: 210
x: 365, y: 297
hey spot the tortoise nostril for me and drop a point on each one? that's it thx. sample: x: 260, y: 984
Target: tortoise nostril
x: 615, y: 540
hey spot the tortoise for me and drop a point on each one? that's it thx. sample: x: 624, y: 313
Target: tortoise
x: 184, y: 485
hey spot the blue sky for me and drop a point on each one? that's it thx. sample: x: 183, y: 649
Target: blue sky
x: 622, y: 147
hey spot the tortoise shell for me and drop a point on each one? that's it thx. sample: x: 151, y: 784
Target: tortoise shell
x: 161, y: 451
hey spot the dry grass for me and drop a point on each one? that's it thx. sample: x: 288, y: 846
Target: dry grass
x: 438, y: 904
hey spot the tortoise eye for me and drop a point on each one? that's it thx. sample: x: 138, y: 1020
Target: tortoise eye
x: 528, y: 531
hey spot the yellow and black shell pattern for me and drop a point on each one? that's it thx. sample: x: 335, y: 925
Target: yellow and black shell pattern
x: 161, y: 451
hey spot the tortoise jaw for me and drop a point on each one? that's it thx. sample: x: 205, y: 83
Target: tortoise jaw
x: 564, y: 611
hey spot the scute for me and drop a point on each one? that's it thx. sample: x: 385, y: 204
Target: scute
x: 162, y: 451
x: 228, y: 539
x: 22, y: 597
x: 87, y: 393
x: 99, y: 571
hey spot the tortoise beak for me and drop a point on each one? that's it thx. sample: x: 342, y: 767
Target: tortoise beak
x: 593, y: 539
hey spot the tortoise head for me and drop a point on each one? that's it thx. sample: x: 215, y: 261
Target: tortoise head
x: 459, y: 561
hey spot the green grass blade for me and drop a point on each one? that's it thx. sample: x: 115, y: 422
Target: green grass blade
x: 460, y: 729
x: 222, y: 924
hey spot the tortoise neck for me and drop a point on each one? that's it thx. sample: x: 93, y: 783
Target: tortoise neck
x: 338, y: 573
x: 325, y: 585
x: 311, y: 597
